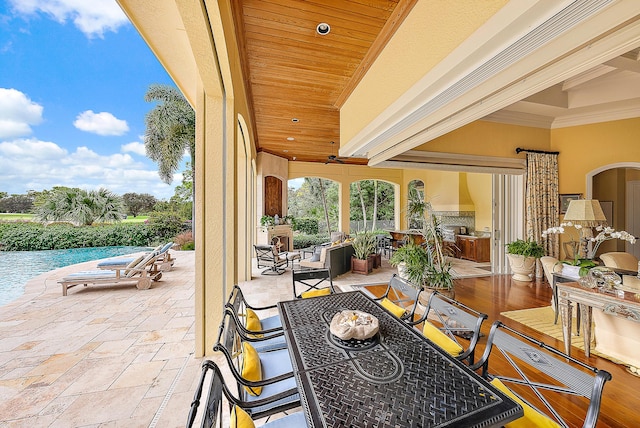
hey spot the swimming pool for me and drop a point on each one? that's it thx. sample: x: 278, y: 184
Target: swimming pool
x: 18, y: 267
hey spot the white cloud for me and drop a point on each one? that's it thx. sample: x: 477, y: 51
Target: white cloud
x: 100, y: 123
x: 134, y: 147
x: 92, y: 17
x: 17, y: 113
x: 31, y: 164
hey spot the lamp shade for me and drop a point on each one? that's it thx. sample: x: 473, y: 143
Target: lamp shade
x: 585, y: 212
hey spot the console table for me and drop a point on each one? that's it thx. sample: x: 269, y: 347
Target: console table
x: 396, y: 379
x: 623, y: 304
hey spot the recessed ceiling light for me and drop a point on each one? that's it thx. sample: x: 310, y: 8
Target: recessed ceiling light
x: 286, y: 151
x: 323, y: 28
x: 290, y: 139
x: 295, y: 120
x: 294, y: 158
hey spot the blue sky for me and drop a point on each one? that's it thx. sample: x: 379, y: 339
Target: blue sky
x: 73, y: 75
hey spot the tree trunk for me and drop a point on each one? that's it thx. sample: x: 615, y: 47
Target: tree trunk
x: 375, y: 205
x: 324, y: 205
x: 364, y: 208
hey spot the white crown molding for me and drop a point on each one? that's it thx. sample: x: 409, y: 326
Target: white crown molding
x: 520, y: 118
x: 602, y: 115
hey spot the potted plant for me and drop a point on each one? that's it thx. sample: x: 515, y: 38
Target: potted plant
x: 425, y: 264
x: 363, y: 245
x: 267, y: 220
x: 522, y: 257
x: 412, y: 261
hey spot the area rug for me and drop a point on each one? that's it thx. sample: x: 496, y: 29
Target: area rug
x: 468, y: 269
x: 541, y: 319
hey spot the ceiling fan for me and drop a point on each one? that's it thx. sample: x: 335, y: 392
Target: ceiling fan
x: 333, y: 158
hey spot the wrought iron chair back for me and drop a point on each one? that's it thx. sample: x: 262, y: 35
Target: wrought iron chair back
x: 229, y: 343
x: 530, y: 358
x: 404, y: 294
x: 213, y: 412
x: 267, y: 256
x: 305, y: 280
x: 238, y: 305
x: 457, y: 321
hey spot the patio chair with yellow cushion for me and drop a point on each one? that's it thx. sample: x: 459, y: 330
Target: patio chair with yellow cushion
x: 543, y: 380
x: 258, y: 375
x: 239, y: 417
x: 400, y: 298
x: 452, y: 326
x: 311, y: 283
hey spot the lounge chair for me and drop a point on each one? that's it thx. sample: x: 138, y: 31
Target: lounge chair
x: 164, y: 261
x: 140, y: 272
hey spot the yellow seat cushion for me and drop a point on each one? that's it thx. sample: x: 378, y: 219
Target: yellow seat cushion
x: 253, y: 321
x: 251, y: 367
x: 316, y: 293
x: 434, y: 334
x: 531, y: 418
x: 392, y: 307
x: 240, y: 419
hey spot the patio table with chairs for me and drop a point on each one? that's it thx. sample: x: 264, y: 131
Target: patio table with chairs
x: 395, y: 378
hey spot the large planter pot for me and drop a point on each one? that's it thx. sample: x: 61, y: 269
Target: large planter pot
x: 363, y: 267
x: 522, y: 267
x: 402, y: 271
x: 377, y: 260
x: 423, y: 298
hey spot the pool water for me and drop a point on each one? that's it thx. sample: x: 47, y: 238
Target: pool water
x: 18, y: 267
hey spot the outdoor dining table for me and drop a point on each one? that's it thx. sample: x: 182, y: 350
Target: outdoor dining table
x: 397, y: 378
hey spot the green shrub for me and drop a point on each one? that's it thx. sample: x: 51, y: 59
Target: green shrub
x: 307, y: 226
x: 35, y: 237
x: 305, y: 241
x: 164, y: 225
x: 525, y: 248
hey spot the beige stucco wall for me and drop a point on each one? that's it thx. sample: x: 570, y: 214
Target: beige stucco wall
x: 431, y: 30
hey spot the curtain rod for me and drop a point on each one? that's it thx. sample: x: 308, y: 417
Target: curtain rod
x: 519, y: 149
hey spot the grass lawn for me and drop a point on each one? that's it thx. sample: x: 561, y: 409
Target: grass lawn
x: 15, y: 217
x: 29, y: 217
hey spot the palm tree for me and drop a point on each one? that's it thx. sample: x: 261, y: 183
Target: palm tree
x: 79, y: 206
x: 170, y: 130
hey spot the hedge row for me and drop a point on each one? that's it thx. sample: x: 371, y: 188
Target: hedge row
x: 304, y: 241
x: 34, y: 236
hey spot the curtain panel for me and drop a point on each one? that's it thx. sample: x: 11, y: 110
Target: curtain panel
x: 542, y: 199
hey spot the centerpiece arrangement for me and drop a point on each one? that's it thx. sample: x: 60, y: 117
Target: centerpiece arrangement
x: 581, y: 219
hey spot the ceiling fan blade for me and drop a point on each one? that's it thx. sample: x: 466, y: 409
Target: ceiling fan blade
x: 338, y: 160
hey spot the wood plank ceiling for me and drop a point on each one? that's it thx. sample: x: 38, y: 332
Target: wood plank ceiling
x: 298, y: 78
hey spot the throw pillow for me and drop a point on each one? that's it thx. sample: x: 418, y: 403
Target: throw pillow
x: 251, y: 368
x: 316, y: 293
x: 434, y: 334
x: 240, y: 419
x: 392, y: 307
x: 253, y: 322
x: 531, y: 418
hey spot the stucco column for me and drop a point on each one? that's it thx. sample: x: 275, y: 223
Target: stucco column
x: 345, y: 208
x: 215, y: 216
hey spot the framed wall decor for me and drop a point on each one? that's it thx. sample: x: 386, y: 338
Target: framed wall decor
x: 565, y: 198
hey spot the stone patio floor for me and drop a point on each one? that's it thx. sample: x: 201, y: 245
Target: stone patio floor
x: 113, y: 356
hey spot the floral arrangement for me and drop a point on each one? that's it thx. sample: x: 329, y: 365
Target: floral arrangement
x: 605, y: 233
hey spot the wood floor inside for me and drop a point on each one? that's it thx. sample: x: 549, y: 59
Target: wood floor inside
x: 498, y: 293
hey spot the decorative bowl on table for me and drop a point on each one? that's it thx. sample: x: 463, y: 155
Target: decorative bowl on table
x: 353, y: 324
